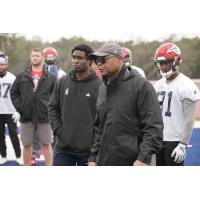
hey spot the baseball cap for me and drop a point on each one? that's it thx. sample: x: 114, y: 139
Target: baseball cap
x: 3, y: 61
x: 108, y: 48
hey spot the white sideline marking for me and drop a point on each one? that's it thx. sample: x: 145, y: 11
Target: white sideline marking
x: 197, y: 124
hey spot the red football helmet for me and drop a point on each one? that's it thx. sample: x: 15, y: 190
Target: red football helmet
x: 165, y: 53
x: 50, y: 55
x: 128, y: 56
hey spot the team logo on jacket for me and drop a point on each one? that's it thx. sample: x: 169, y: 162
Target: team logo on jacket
x: 88, y: 95
x: 67, y: 91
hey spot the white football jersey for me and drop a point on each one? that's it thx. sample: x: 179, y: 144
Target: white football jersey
x: 170, y: 96
x: 139, y: 70
x: 6, y: 106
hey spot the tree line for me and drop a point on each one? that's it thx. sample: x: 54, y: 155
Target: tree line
x: 18, y: 48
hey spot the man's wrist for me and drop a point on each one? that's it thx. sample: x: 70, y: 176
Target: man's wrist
x: 183, y: 143
x: 186, y: 145
x: 144, y: 158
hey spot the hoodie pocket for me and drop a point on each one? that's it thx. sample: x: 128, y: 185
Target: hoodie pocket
x: 75, y: 136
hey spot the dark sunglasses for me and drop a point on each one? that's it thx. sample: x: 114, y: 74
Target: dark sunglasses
x: 102, y: 59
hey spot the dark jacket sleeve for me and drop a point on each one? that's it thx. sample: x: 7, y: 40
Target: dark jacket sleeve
x: 96, y: 140
x: 15, y: 94
x: 97, y: 133
x: 54, y: 109
x: 151, y: 123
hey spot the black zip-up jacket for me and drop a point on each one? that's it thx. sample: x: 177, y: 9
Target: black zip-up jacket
x: 31, y: 105
x: 128, y: 124
x: 72, y: 110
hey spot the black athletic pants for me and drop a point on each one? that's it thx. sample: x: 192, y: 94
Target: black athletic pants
x: 163, y: 158
x: 12, y: 128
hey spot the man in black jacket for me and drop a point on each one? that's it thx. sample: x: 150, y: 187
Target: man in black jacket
x: 30, y: 95
x: 128, y: 127
x: 72, y: 110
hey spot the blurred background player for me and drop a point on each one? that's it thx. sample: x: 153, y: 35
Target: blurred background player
x: 51, y: 55
x: 30, y: 94
x: 8, y: 114
x: 129, y: 61
x: 93, y: 67
x: 177, y: 95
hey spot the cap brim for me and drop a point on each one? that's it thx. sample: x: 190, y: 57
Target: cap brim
x: 98, y: 54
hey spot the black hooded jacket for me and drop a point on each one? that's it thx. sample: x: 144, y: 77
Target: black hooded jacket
x: 72, y: 110
x: 128, y: 124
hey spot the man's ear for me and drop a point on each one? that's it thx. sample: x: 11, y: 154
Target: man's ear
x: 122, y: 59
x: 89, y: 62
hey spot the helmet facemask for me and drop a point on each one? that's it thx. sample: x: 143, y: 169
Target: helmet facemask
x: 51, y: 55
x: 50, y: 60
x: 173, y: 70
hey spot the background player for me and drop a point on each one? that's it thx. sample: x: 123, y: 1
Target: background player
x: 8, y: 114
x: 129, y: 61
x: 177, y: 95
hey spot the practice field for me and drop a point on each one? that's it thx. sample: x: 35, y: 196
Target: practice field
x: 11, y: 154
x: 192, y: 159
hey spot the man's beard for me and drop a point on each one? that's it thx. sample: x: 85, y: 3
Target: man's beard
x: 36, y: 65
x: 3, y: 72
x: 79, y: 69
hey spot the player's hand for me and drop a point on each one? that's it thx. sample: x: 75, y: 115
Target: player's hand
x: 139, y: 163
x: 16, y: 117
x: 92, y: 164
x: 179, y: 153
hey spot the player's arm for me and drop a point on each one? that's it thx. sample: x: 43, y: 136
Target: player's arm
x: 188, y: 112
x: 179, y: 153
